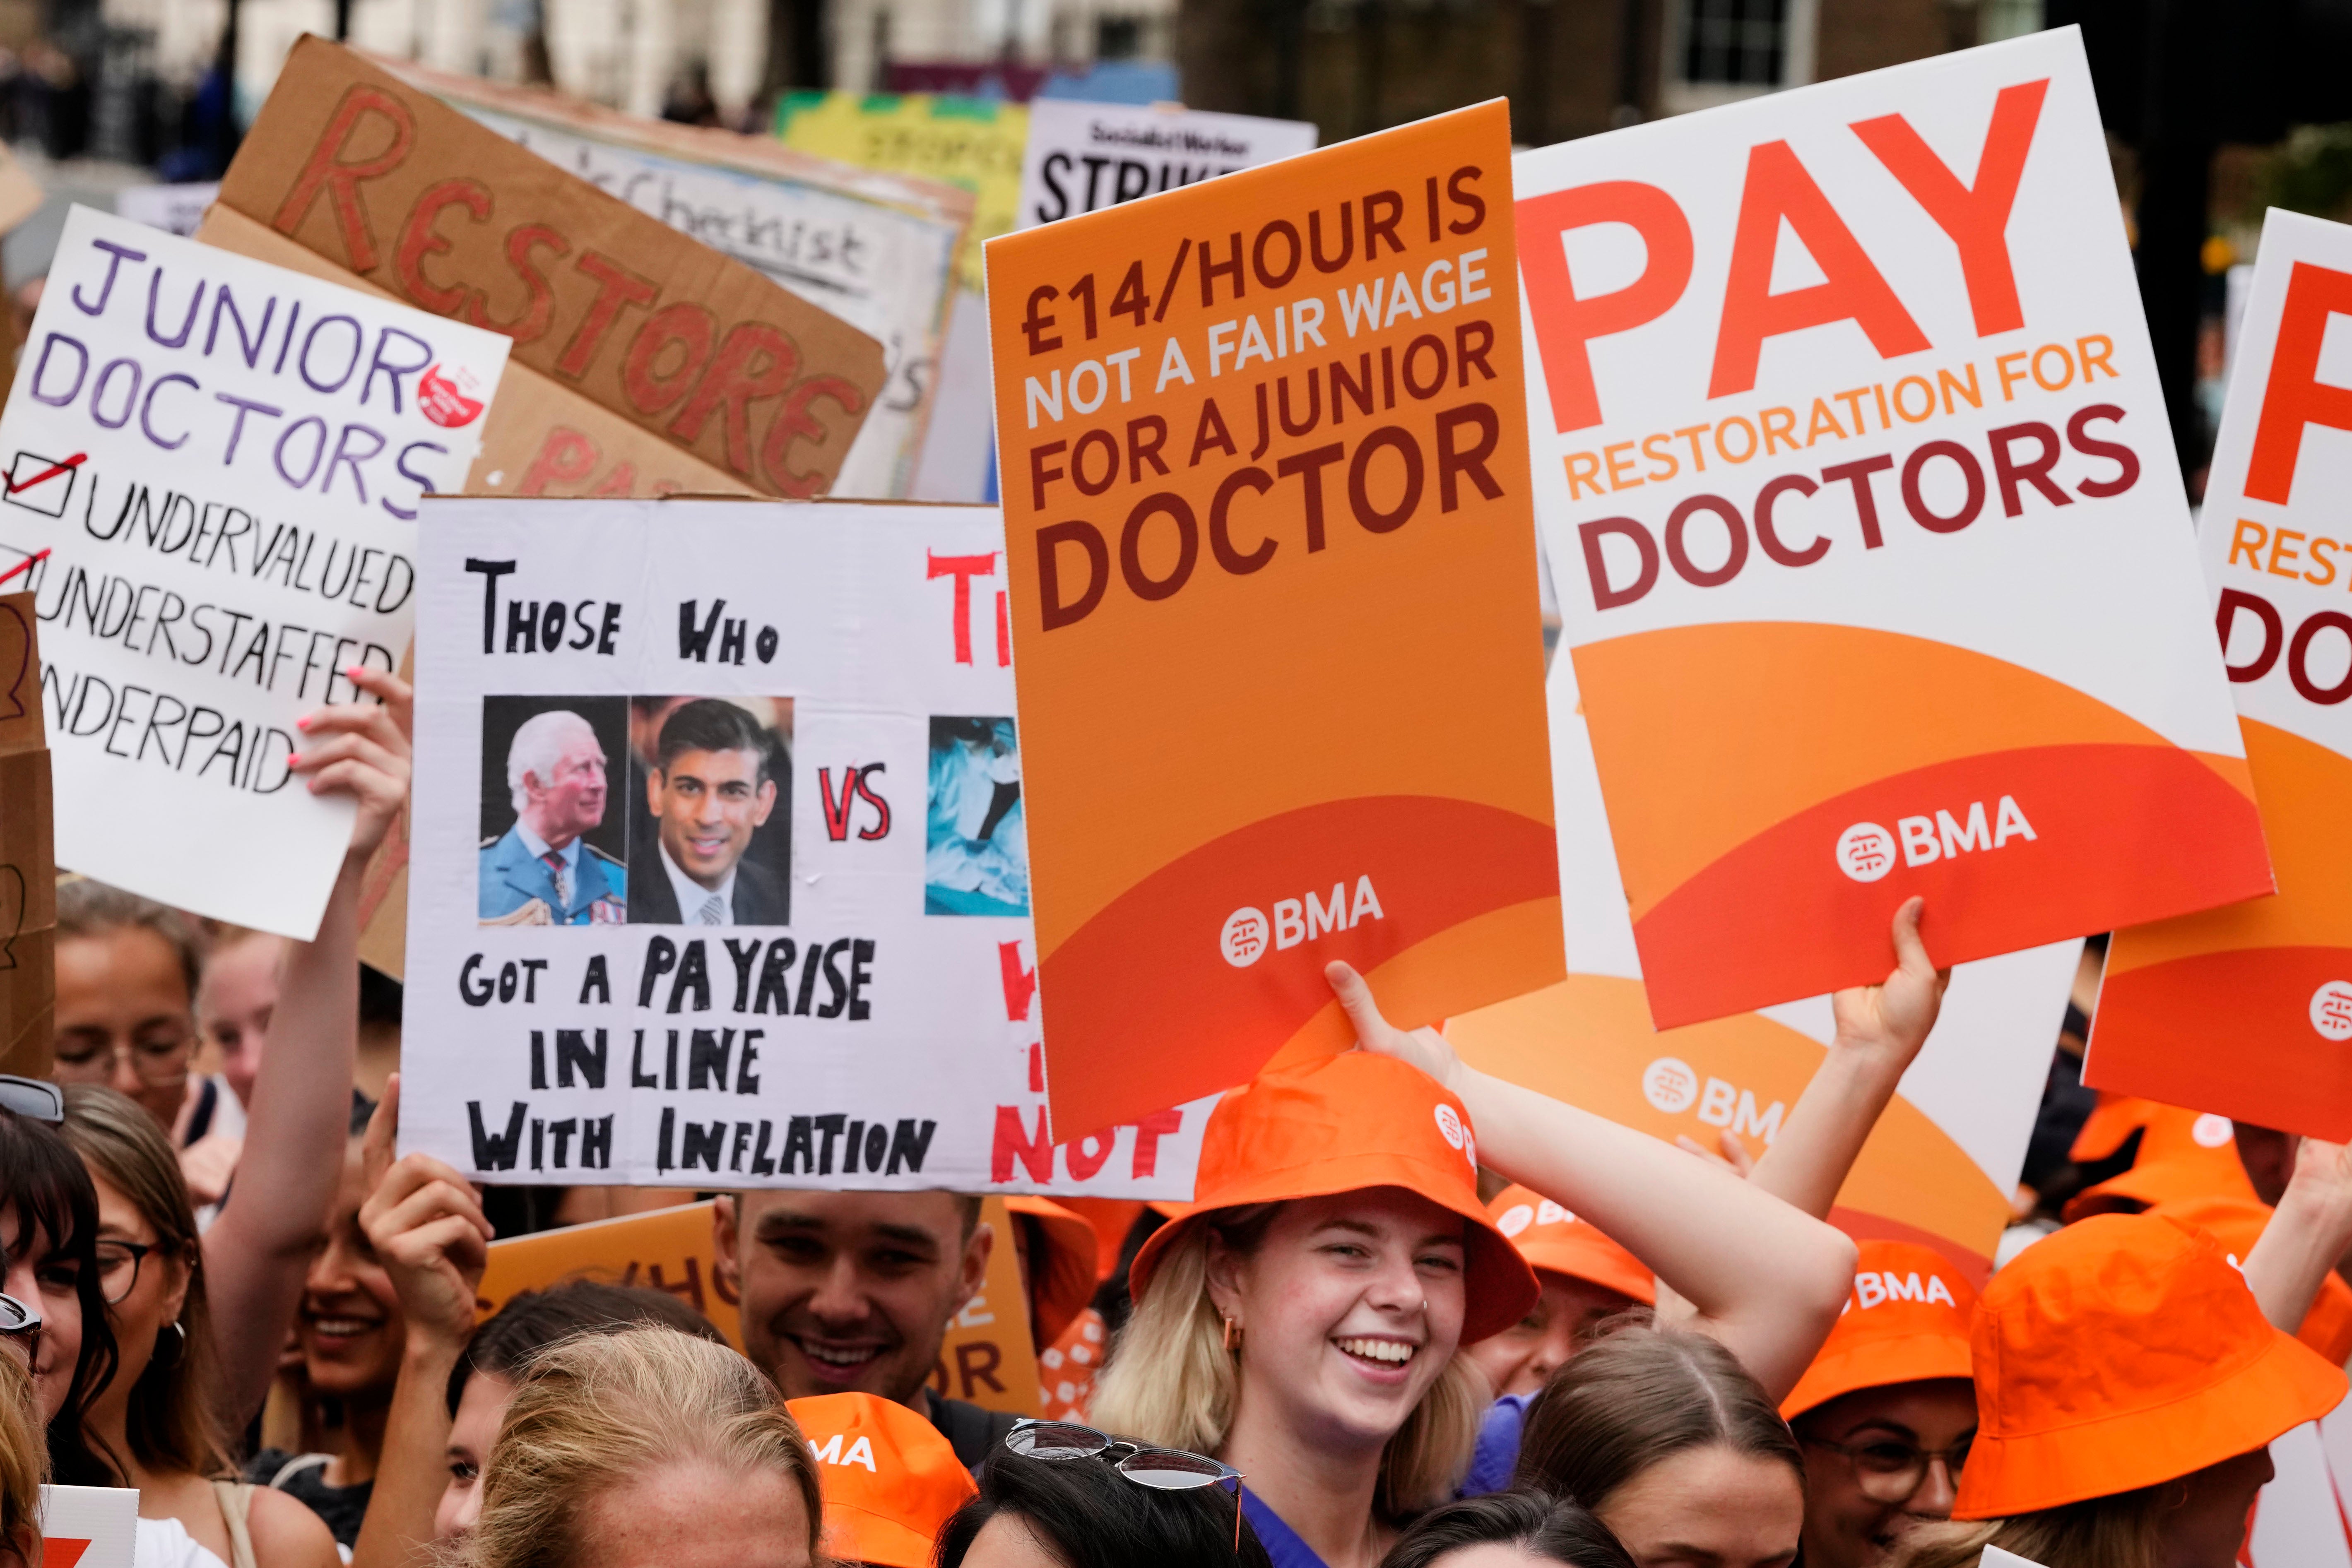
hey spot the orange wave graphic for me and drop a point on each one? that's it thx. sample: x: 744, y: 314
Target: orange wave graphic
x: 1588, y: 1041
x: 1125, y: 1039
x: 1678, y: 715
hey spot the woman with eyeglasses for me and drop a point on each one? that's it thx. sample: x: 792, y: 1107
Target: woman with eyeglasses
x: 132, y: 989
x: 1062, y: 1496
x: 1886, y: 1412
x: 48, y: 1237
x: 1301, y: 1322
x: 157, y: 1419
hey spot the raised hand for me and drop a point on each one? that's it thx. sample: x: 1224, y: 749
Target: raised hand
x: 362, y: 749
x: 1890, y: 1021
x: 1424, y: 1048
x: 426, y: 1225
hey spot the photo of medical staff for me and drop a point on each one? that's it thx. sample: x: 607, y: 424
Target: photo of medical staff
x: 555, y: 844
x: 976, y: 848
x: 711, y: 810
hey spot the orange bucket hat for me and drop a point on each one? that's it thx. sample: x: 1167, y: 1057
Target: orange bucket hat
x: 1343, y: 1124
x: 2121, y: 1352
x: 1905, y: 1321
x: 1061, y: 1280
x: 2237, y: 1224
x: 2182, y: 1154
x: 889, y: 1479
x: 1553, y: 1239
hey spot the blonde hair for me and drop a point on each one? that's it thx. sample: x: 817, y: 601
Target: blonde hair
x: 2125, y: 1530
x: 1170, y: 1381
x: 598, y: 1409
x: 24, y: 1462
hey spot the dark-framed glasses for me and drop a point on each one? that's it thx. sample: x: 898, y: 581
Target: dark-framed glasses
x: 1163, y: 1469
x: 118, y: 1266
x: 1888, y: 1470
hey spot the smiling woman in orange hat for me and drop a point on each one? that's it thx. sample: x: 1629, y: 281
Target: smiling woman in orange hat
x: 1886, y: 1411
x: 2129, y: 1382
x: 1301, y: 1321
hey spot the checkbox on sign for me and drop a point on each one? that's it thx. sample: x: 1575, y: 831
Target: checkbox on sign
x: 41, y: 484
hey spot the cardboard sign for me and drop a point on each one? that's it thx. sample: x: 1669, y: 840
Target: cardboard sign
x: 2246, y: 1010
x: 394, y: 186
x: 879, y: 251
x: 88, y: 1527
x: 1940, y: 1166
x: 28, y: 867
x: 849, y: 792
x: 1084, y: 157
x: 1870, y: 544
x: 987, y: 1357
x: 226, y: 459
x: 972, y: 142
x: 1273, y: 590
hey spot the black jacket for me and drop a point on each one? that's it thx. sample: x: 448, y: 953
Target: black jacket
x: 760, y: 896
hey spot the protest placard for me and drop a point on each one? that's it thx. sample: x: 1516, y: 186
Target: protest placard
x: 88, y: 1527
x: 837, y: 682
x: 673, y: 340
x: 1084, y: 157
x: 877, y: 250
x: 987, y: 1358
x: 1316, y: 733
x: 28, y: 869
x: 972, y: 142
x: 1870, y: 541
x: 174, y: 209
x: 2244, y: 1011
x: 226, y: 460
x: 1942, y: 1162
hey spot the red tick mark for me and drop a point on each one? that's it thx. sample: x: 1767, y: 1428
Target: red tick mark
x: 51, y: 472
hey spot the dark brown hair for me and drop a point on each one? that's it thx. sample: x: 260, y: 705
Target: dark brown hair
x: 1550, y: 1529
x: 1639, y: 1395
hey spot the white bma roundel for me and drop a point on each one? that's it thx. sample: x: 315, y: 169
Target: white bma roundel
x: 1516, y: 1218
x: 2331, y: 1010
x: 2210, y: 1132
x: 1242, y: 941
x: 1670, y: 1085
x: 1450, y: 1125
x: 1865, y: 851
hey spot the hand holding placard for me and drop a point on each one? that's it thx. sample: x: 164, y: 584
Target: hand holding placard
x: 364, y: 754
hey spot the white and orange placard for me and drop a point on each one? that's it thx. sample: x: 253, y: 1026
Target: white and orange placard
x: 88, y: 1527
x: 1868, y: 532
x: 2247, y: 1011
x: 1273, y: 597
x: 1943, y: 1159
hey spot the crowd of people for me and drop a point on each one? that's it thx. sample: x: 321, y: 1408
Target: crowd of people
x: 1415, y: 1315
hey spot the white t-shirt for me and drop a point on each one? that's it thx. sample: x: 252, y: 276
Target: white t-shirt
x: 166, y: 1544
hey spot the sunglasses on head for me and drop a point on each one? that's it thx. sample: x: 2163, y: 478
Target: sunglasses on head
x: 1162, y: 1469
x: 32, y: 1097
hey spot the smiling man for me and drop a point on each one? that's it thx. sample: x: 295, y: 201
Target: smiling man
x: 711, y: 788
x: 853, y: 1292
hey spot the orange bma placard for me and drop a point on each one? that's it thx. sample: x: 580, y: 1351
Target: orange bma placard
x: 1273, y: 591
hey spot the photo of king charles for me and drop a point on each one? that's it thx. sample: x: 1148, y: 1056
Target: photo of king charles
x: 542, y: 871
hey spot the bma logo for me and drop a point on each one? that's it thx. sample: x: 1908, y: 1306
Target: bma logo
x: 2210, y: 1132
x: 1865, y: 851
x: 1456, y: 1136
x: 2331, y: 1010
x: 861, y: 1452
x: 1243, y: 940
x: 1672, y: 1086
x: 1520, y: 1216
x: 1871, y: 1288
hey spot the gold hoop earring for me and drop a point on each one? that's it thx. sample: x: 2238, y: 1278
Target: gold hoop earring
x: 1233, y: 1335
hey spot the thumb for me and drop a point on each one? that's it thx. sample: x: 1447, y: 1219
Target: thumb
x: 1356, y: 1001
x: 382, y: 1132
x: 1910, y: 952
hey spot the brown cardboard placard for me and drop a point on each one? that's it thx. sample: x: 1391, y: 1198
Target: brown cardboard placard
x: 28, y: 865
x: 394, y: 186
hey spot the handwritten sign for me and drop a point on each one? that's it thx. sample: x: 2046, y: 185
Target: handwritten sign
x: 1871, y: 548
x: 2272, y: 977
x: 720, y: 865
x: 1273, y: 590
x: 29, y: 871
x: 226, y: 459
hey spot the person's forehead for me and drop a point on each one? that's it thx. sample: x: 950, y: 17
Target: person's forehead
x: 720, y: 765
x: 856, y: 1216
x: 1381, y: 1210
